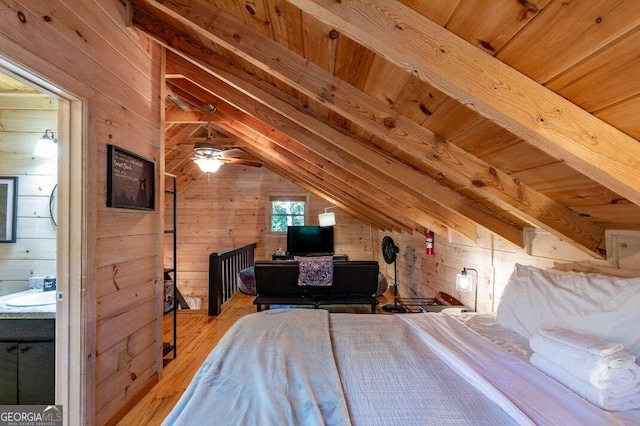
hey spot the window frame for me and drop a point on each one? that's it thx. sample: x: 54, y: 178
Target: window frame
x: 294, y: 198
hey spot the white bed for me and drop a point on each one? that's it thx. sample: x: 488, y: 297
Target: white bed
x: 309, y: 367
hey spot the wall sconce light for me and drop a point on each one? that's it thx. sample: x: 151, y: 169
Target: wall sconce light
x: 47, y: 145
x: 209, y: 165
x: 464, y: 283
x: 327, y: 219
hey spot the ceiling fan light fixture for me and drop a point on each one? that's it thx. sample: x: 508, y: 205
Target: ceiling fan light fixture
x: 209, y: 165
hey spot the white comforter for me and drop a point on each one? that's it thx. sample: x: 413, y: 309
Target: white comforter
x: 306, y: 367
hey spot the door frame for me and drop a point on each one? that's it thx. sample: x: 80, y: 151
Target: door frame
x: 75, y: 312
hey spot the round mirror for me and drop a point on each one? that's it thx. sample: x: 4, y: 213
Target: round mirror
x: 53, y: 205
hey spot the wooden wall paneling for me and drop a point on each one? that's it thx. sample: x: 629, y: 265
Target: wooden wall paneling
x: 37, y: 34
x: 490, y: 25
x: 320, y: 45
x: 613, y: 215
x: 55, y: 49
x: 28, y: 121
x: 17, y: 269
x: 123, y: 249
x: 287, y: 24
x: 613, y: 167
x: 418, y: 100
x: 113, y: 278
x: 451, y: 118
x: 24, y: 119
x: 84, y: 27
x: 517, y: 157
x: 27, y: 100
x: 439, y: 11
x: 623, y: 116
x: 605, y: 78
x: 124, y: 128
x: 117, y: 329
x: 122, y: 223
x: 385, y: 81
x: 122, y: 353
x: 112, y: 305
x: 623, y: 248
x: 586, y: 27
x: 120, y: 386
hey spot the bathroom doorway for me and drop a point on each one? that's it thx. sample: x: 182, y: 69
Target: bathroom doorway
x: 49, y: 213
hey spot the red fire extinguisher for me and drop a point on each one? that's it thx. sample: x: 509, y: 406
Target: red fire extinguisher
x: 428, y: 242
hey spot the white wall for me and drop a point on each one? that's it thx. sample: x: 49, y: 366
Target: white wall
x: 24, y: 120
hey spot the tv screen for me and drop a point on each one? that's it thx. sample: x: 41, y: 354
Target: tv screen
x: 306, y: 240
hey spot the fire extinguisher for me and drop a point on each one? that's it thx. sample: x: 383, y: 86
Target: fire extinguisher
x: 428, y: 242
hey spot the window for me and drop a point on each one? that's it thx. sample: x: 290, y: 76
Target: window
x: 287, y: 211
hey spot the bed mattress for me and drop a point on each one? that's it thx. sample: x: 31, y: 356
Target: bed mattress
x: 298, y: 366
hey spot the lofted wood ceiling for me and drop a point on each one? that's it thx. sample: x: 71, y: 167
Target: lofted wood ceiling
x: 446, y: 114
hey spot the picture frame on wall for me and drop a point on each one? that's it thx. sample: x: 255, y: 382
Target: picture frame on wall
x: 8, y: 208
x: 130, y: 180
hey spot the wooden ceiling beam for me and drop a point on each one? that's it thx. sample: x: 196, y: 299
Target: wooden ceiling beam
x: 183, y: 117
x: 341, y: 165
x: 178, y: 137
x: 497, y: 91
x: 381, y: 120
x: 320, y: 173
x: 393, y: 170
x: 377, y: 222
x: 315, y: 177
x: 321, y: 179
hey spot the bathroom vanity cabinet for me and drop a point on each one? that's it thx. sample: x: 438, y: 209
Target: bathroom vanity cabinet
x: 27, y: 357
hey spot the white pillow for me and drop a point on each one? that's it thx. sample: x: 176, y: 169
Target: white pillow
x: 598, y: 305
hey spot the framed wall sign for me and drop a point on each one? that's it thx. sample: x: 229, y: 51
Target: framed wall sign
x: 8, y: 208
x: 130, y: 180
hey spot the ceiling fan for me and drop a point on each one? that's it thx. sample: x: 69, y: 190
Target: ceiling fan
x: 210, y: 154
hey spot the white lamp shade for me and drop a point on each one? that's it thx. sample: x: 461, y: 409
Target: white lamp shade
x: 209, y: 165
x: 464, y: 282
x: 327, y: 219
x: 46, y: 148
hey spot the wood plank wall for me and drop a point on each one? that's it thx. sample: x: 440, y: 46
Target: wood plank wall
x: 24, y: 119
x: 420, y: 275
x: 230, y: 209
x: 84, y: 48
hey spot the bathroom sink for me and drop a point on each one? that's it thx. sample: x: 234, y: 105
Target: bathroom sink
x: 34, y: 299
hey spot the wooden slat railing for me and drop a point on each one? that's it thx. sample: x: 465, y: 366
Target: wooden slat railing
x: 223, y: 274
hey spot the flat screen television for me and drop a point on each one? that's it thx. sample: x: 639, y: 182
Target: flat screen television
x: 309, y: 240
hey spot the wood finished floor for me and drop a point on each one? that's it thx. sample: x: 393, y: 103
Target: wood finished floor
x: 197, y: 335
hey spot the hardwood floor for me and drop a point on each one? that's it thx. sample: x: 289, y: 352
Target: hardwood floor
x: 197, y: 335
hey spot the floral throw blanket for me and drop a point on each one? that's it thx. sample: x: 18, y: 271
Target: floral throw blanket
x: 317, y: 271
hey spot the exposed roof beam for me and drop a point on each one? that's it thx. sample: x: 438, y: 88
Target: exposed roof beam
x: 379, y: 119
x: 314, y: 170
x: 314, y: 176
x: 377, y: 222
x: 491, y: 87
x: 185, y: 117
x: 300, y: 170
x: 341, y: 165
x: 393, y: 169
x: 176, y: 139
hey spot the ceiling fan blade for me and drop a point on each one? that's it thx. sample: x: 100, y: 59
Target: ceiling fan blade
x: 232, y: 153
x: 240, y: 162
